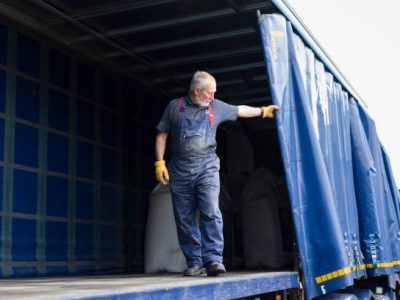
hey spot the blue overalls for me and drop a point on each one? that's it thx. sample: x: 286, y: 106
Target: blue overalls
x: 194, y: 185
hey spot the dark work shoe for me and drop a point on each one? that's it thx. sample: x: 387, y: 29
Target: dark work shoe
x: 215, y: 268
x: 195, y: 271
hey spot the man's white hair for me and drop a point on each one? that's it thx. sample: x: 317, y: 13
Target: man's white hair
x: 201, y: 79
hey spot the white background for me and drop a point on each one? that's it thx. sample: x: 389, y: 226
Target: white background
x: 363, y: 40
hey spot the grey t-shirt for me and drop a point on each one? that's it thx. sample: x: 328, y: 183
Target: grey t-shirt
x: 222, y: 112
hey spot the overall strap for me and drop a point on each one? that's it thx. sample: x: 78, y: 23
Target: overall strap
x: 181, y: 107
x: 211, y: 115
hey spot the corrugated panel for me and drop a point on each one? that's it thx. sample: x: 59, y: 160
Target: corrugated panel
x: 57, y: 197
x: 85, y: 159
x: 59, y: 69
x: 85, y: 120
x: 61, y: 187
x: 1, y: 140
x: 27, y: 100
x: 86, y: 81
x: 28, y: 57
x: 26, y: 145
x: 109, y: 91
x: 58, y: 110
x: 2, y: 90
x: 3, y: 44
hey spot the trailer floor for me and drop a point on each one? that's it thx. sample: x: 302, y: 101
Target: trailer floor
x: 159, y: 286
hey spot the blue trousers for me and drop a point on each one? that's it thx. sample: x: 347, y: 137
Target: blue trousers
x: 195, y: 187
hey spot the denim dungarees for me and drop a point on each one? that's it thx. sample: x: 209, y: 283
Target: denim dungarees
x: 194, y: 185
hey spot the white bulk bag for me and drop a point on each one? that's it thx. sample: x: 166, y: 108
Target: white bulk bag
x: 161, y: 248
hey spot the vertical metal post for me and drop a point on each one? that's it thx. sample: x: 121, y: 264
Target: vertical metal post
x: 127, y: 171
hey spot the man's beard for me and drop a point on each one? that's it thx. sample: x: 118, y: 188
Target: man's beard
x: 205, y: 104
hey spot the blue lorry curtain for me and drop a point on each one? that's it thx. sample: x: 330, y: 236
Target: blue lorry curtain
x: 377, y: 199
x: 394, y: 192
x: 315, y: 132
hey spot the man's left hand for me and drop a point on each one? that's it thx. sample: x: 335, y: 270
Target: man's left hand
x: 268, y: 111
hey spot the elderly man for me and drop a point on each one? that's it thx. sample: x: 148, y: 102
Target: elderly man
x: 191, y: 123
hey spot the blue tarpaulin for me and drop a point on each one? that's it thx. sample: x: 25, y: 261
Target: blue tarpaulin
x: 338, y: 176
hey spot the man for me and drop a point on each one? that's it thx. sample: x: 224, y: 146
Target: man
x: 190, y: 124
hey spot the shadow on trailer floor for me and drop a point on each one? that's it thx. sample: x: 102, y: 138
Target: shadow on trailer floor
x: 158, y: 286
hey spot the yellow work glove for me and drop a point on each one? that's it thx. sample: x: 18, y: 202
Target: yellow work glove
x: 268, y: 111
x: 161, y: 171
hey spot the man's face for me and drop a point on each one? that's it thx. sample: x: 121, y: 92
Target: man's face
x: 203, y: 97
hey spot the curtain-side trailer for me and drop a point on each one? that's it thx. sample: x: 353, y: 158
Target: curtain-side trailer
x: 82, y: 87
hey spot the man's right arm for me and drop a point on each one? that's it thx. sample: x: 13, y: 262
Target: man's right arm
x: 161, y: 170
x: 161, y: 142
x: 163, y: 128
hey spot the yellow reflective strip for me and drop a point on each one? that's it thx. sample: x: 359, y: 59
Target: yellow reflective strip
x: 341, y: 272
x: 348, y: 270
x: 384, y: 264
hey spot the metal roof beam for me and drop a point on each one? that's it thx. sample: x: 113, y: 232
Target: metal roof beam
x: 219, y: 84
x: 260, y: 77
x: 105, y: 40
x: 112, y: 8
x: 33, y: 24
x: 107, y: 9
x: 175, y: 21
x: 238, y: 68
x: 185, y: 42
x: 203, y: 57
x: 242, y: 67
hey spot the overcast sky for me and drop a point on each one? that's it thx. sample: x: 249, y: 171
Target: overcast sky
x: 363, y: 40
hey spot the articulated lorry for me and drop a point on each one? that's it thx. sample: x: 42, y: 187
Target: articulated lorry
x: 83, y: 84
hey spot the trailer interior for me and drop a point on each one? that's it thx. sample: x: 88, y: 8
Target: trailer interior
x: 84, y: 83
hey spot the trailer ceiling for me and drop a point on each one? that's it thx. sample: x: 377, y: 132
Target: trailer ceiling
x: 160, y: 42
